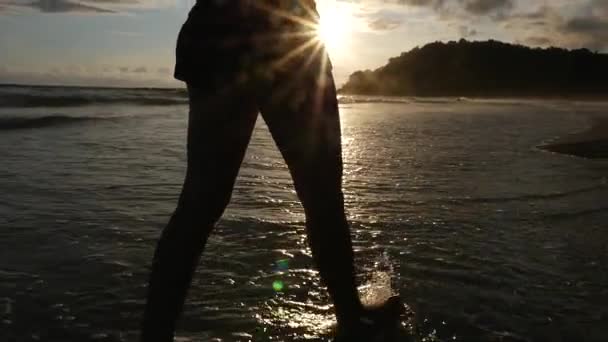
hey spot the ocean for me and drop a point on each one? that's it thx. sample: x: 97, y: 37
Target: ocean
x: 451, y: 204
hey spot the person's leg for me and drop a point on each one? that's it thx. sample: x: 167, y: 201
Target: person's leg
x: 219, y: 129
x: 301, y: 111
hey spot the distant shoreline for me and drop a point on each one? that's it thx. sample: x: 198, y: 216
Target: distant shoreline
x: 72, y: 86
x: 569, y: 97
x: 591, y: 143
x: 582, y: 97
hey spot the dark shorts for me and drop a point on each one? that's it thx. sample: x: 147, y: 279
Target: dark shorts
x: 235, y: 40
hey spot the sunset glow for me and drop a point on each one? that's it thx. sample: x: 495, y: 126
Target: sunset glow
x: 335, y: 26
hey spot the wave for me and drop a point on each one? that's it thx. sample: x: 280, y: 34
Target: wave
x: 12, y: 123
x: 533, y: 197
x: 352, y: 99
x: 27, y: 100
x: 344, y: 99
x: 38, y: 96
x: 58, y: 96
x: 576, y: 214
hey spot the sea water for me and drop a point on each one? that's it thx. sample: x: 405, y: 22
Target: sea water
x: 452, y: 206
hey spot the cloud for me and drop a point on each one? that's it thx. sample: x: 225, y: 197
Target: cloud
x: 587, y: 25
x: 591, y: 30
x: 537, y: 41
x: 384, y: 24
x: 466, y: 32
x: 599, y: 8
x: 571, y: 24
x: 543, y: 18
x: 548, y: 26
x: 477, y: 7
x: 433, y: 3
x: 487, y: 6
x: 82, y: 6
x: 56, y: 6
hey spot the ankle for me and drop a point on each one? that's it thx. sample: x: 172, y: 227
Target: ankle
x: 351, y: 316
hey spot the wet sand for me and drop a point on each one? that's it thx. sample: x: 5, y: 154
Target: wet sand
x: 591, y: 143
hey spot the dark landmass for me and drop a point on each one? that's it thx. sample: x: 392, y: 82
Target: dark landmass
x: 592, y: 143
x: 586, y: 149
x: 486, y: 69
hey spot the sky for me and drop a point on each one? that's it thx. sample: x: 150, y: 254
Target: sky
x: 132, y: 42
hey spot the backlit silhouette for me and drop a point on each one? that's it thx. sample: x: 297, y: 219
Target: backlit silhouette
x: 238, y: 58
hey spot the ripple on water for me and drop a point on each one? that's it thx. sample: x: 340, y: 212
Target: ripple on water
x: 489, y: 237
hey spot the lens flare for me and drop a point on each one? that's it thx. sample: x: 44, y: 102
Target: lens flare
x: 282, y: 265
x: 278, y: 285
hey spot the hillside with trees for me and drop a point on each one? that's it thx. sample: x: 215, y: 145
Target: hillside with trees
x: 486, y: 69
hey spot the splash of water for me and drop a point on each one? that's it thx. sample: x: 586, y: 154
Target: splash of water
x: 379, y: 287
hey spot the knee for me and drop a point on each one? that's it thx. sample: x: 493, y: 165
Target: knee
x: 189, y: 226
x: 201, y: 210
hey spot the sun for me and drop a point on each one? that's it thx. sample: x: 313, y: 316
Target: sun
x: 335, y: 25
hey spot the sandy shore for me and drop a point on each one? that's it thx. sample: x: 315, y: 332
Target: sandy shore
x: 592, y: 143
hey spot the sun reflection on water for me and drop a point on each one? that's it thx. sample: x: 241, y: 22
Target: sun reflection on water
x: 300, y: 304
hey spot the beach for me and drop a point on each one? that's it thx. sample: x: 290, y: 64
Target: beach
x: 451, y: 204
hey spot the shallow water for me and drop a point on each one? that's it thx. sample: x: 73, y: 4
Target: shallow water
x: 485, y: 237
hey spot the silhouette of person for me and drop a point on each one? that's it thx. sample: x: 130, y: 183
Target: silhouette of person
x: 239, y: 57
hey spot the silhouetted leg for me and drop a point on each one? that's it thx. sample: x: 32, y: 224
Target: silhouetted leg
x: 301, y: 112
x: 219, y: 129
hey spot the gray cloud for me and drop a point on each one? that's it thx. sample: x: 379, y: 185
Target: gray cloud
x: 587, y: 25
x: 599, y: 8
x: 548, y: 26
x: 420, y: 2
x: 77, y: 6
x: 384, y: 23
x: 591, y: 30
x: 478, y: 7
x: 537, y: 41
x: 543, y: 18
x: 466, y: 32
x: 57, y: 6
x: 487, y: 6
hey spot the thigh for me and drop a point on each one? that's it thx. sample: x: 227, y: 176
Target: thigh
x: 220, y: 124
x: 301, y: 111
